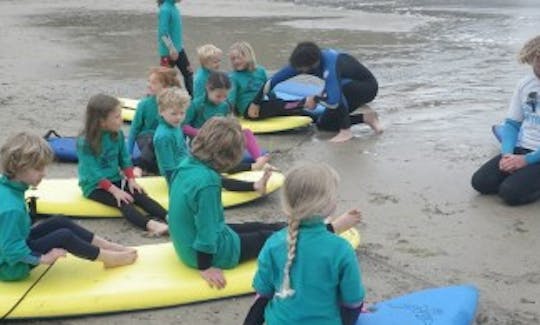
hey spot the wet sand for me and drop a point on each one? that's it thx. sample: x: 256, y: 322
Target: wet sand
x: 423, y: 224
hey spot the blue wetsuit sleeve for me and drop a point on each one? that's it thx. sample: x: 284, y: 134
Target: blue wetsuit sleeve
x: 533, y: 157
x: 509, y: 136
x: 285, y: 73
x: 136, y: 126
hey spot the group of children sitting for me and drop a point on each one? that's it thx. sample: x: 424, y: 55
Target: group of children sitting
x: 288, y: 251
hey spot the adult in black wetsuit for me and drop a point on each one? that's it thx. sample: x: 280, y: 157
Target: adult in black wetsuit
x: 348, y: 85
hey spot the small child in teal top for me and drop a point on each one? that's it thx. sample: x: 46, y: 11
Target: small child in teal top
x: 146, y: 117
x: 305, y: 274
x: 102, y: 154
x: 23, y: 160
x: 214, y: 103
x: 170, y: 41
x: 210, y: 60
x: 169, y: 141
x: 248, y: 79
x: 170, y: 146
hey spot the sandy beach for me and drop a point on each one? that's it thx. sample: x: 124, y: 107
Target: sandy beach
x: 446, y: 75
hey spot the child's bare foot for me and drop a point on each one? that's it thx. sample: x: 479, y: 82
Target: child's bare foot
x: 137, y: 171
x: 112, y: 259
x: 346, y: 221
x: 260, y: 185
x: 156, y: 228
x: 342, y: 136
x: 260, y: 162
x: 108, y: 245
x: 371, y: 118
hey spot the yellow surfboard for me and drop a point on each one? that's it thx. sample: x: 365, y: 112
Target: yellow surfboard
x: 74, y: 286
x: 63, y: 196
x: 269, y: 125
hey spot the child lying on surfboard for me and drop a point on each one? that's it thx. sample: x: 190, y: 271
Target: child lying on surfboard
x: 24, y: 158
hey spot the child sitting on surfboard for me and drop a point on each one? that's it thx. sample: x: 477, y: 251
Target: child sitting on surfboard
x: 23, y: 160
x: 305, y: 274
x: 210, y: 60
x: 146, y: 117
x: 200, y: 236
x: 102, y: 155
x: 513, y: 174
x: 214, y: 103
x: 170, y: 41
x: 248, y: 78
x: 170, y: 145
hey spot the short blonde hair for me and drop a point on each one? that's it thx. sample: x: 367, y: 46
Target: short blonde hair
x: 530, y: 51
x: 24, y: 151
x: 219, y: 143
x: 310, y: 189
x: 246, y: 50
x: 207, y: 52
x: 173, y: 98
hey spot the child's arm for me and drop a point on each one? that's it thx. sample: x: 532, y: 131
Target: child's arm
x: 351, y: 290
x: 164, y: 149
x: 199, y: 84
x: 136, y: 126
x: 187, y: 124
x: 255, y: 315
x: 206, y: 225
x: 163, y: 29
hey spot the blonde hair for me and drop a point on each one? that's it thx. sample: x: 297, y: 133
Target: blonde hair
x: 246, y: 50
x: 173, y: 98
x: 219, y: 143
x: 24, y: 151
x: 167, y: 77
x: 207, y: 52
x: 530, y: 51
x: 310, y: 189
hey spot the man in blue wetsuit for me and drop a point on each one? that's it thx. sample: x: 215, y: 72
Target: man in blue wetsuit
x: 348, y: 85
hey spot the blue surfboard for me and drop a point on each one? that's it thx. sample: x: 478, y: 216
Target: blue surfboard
x: 65, y: 148
x: 295, y: 90
x: 497, y: 130
x: 454, y: 305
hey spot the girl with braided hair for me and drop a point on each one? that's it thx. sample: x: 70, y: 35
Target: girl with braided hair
x: 513, y: 174
x: 307, y: 274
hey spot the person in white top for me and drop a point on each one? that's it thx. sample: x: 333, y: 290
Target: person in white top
x: 515, y: 173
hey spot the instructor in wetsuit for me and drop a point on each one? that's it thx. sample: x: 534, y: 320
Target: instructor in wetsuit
x: 348, y: 85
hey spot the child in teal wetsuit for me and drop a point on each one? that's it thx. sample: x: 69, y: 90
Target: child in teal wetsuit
x: 307, y: 275
x: 214, y: 103
x: 102, y: 155
x: 200, y: 236
x: 146, y: 117
x: 170, y: 41
x: 170, y: 145
x: 23, y: 161
x: 210, y: 60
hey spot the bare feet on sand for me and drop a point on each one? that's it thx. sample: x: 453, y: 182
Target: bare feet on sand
x: 260, y: 185
x: 371, y: 118
x: 346, y: 221
x: 342, y: 136
x: 112, y: 259
x: 156, y: 228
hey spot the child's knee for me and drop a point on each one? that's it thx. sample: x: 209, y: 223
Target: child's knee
x: 510, y: 195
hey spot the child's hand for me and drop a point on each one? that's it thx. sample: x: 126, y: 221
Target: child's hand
x: 134, y: 186
x: 214, y: 277
x: 173, y: 54
x: 121, y: 196
x: 52, y: 256
x: 310, y: 102
x: 253, y: 110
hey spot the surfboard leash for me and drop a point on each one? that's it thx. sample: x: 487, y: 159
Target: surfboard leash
x: 26, y: 293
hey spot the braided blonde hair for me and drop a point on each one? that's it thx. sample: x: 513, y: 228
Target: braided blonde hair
x: 310, y: 189
x: 530, y: 51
